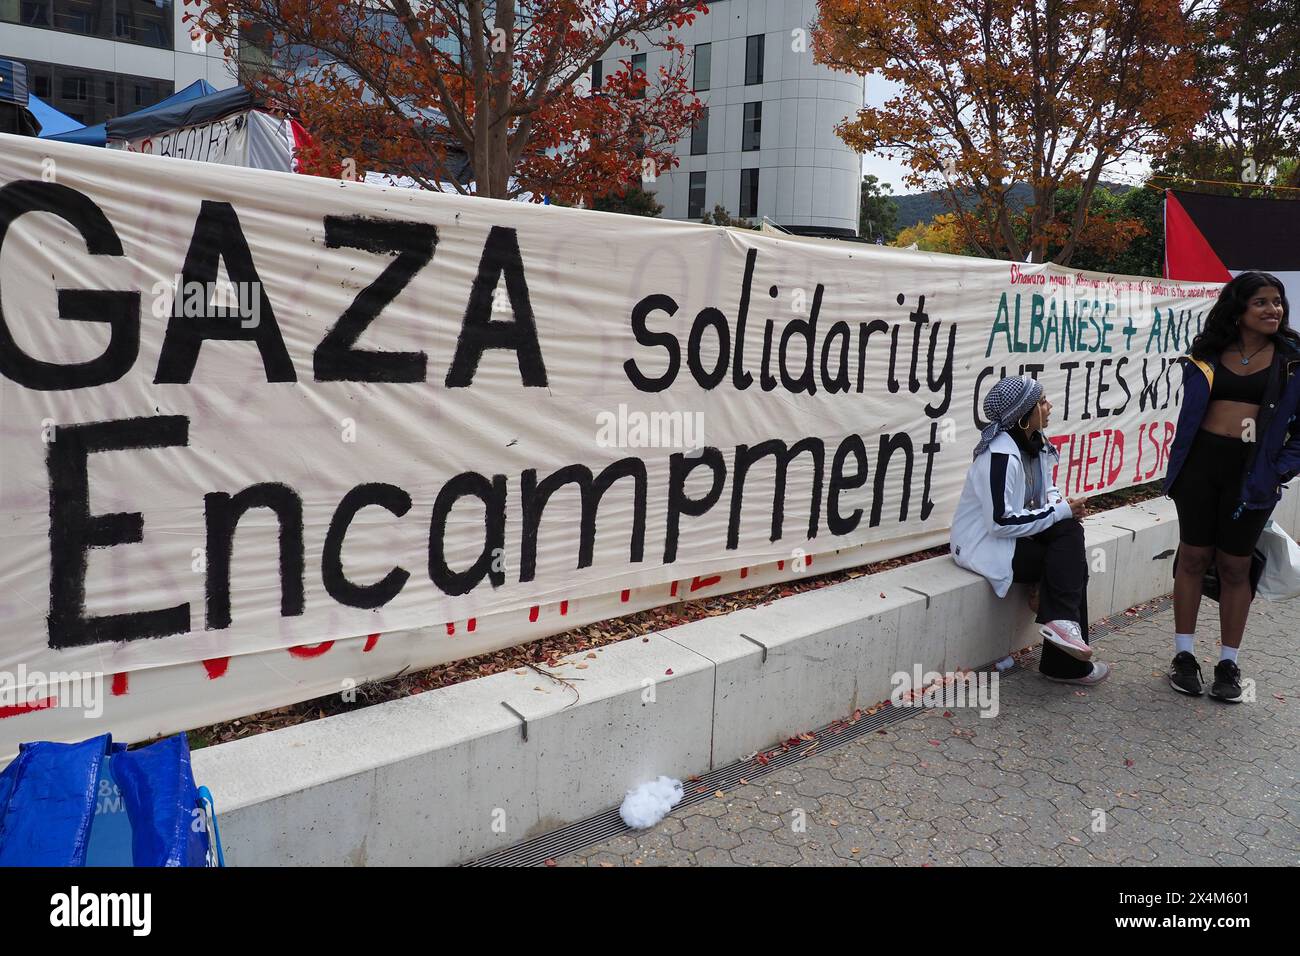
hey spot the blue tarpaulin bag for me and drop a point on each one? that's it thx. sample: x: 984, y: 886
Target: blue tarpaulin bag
x: 95, y: 803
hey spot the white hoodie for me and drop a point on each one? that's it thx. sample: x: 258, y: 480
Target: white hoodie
x: 991, y: 512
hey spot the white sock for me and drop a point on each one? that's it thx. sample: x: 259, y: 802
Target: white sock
x: 1228, y: 654
x: 1183, y: 642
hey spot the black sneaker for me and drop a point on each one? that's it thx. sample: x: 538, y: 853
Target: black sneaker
x: 1227, y: 682
x: 1185, y: 674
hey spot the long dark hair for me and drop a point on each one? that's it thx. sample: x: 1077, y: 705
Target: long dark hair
x: 1220, y: 329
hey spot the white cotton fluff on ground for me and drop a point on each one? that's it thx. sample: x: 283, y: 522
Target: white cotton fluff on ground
x: 649, y: 803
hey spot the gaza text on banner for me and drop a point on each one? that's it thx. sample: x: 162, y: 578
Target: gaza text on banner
x: 244, y: 411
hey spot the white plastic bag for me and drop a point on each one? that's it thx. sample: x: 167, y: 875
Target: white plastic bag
x: 1281, y: 578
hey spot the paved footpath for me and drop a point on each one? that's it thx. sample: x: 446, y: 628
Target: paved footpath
x: 1178, y: 780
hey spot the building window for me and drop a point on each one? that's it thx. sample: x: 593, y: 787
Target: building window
x: 76, y: 89
x: 703, y: 65
x: 93, y: 18
x: 751, y: 133
x: 748, y: 193
x: 93, y: 96
x: 700, y: 135
x: 32, y: 13
x: 597, y: 76
x: 695, y: 202
x: 147, y: 22
x: 754, y: 59
x: 638, y: 66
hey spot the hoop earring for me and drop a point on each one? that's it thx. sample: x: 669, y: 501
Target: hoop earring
x: 1023, y: 424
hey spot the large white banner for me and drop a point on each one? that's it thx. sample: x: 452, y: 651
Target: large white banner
x: 264, y: 435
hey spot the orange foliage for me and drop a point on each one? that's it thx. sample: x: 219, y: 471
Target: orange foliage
x: 431, y: 89
x: 1049, y: 93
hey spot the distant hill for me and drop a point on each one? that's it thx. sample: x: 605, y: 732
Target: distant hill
x: 922, y: 207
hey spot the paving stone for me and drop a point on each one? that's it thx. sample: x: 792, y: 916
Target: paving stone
x: 1181, y: 781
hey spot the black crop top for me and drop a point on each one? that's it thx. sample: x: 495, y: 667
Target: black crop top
x: 1230, y: 387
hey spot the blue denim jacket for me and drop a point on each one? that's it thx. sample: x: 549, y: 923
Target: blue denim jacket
x: 1275, y: 457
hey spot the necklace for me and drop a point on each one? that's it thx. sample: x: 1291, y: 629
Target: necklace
x: 1245, y: 359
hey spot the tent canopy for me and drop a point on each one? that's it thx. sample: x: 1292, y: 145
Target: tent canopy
x: 97, y: 135
x: 191, y: 112
x: 52, y: 121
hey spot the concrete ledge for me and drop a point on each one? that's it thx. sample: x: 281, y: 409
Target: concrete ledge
x: 446, y: 776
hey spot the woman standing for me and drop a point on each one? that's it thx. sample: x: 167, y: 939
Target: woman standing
x: 1012, y: 524
x: 1231, y: 454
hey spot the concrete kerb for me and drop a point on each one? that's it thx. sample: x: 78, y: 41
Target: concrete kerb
x: 447, y: 775
x: 798, y: 663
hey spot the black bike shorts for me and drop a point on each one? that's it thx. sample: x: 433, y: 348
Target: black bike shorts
x: 1207, y: 492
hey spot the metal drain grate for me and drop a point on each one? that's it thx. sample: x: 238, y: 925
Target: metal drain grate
x: 607, y: 824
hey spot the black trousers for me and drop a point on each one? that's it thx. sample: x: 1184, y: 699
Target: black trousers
x: 1057, y: 561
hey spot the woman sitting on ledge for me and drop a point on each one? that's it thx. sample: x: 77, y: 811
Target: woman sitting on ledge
x: 1012, y: 524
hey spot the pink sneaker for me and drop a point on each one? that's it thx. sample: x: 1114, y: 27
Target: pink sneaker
x: 1066, y: 636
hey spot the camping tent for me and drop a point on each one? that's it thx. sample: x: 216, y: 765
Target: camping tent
x: 225, y: 127
x: 15, y: 112
x: 52, y: 121
x: 96, y: 136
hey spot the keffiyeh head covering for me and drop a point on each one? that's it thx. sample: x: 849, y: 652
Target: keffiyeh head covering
x: 1006, y: 403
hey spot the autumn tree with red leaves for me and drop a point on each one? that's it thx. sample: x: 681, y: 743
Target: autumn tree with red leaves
x: 1050, y: 93
x: 415, y: 89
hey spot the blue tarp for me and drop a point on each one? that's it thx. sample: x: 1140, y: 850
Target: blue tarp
x: 163, y: 117
x: 97, y: 802
x: 97, y: 135
x: 52, y: 121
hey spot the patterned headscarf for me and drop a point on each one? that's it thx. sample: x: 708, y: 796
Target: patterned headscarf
x: 1006, y: 403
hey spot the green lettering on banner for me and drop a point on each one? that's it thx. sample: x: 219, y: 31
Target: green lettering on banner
x: 1017, y: 345
x: 1053, y: 326
x: 1037, y: 342
x: 1000, y: 322
x: 1154, y: 334
x: 1069, y: 336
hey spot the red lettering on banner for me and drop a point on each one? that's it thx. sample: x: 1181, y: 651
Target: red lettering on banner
x: 708, y: 582
x: 564, y: 608
x: 780, y: 565
x: 672, y: 592
x: 371, y: 641
x: 1088, y: 459
x: 472, y: 624
x: 744, y: 573
x: 16, y: 709
x: 807, y: 560
x: 1115, y: 462
x: 626, y: 594
x: 216, y: 667
x: 119, y: 685
x: 1150, y: 430
x: 311, y: 650
x: 532, y: 613
x: 1058, y: 442
x: 451, y: 629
